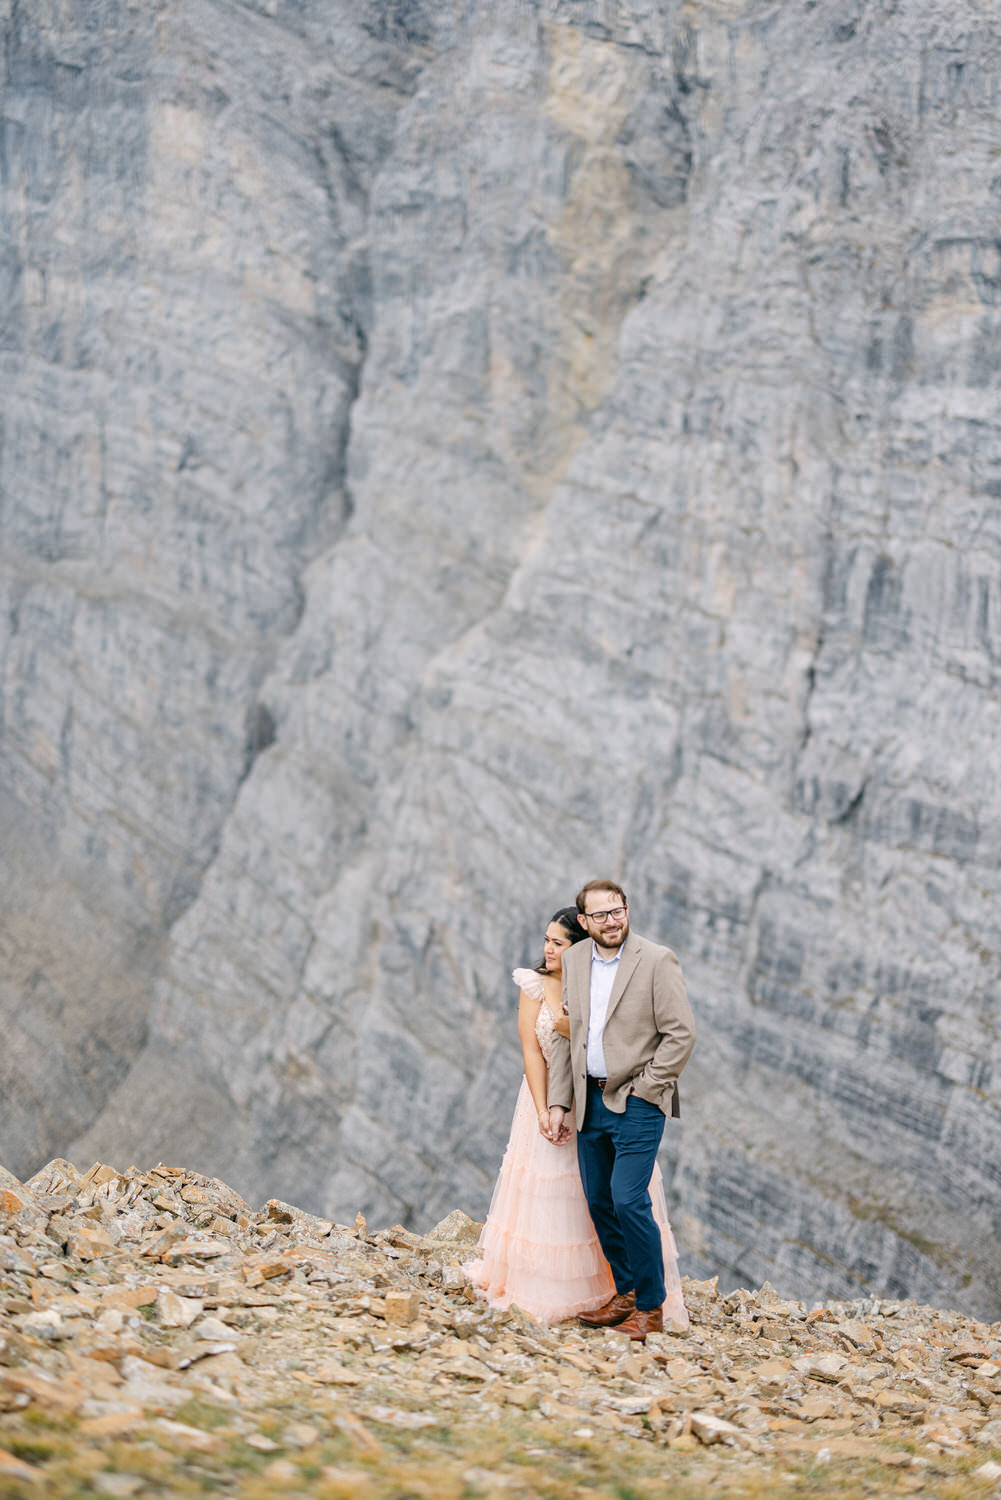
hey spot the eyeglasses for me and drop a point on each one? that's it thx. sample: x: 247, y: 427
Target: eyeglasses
x: 601, y: 917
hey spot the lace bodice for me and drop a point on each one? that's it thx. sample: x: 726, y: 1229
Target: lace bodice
x: 545, y: 1022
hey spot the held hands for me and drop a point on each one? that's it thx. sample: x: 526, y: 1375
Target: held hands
x: 552, y: 1124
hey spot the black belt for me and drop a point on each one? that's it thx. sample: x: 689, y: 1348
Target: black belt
x: 598, y: 1082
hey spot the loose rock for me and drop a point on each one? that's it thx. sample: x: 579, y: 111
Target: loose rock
x: 119, y: 1332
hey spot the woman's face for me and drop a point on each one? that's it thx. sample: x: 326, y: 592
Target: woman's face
x: 557, y: 940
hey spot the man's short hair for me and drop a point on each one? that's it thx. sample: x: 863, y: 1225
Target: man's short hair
x: 599, y: 885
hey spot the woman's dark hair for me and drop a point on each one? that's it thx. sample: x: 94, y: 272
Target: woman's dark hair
x: 567, y: 918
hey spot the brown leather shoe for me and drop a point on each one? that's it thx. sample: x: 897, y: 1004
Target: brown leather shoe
x: 639, y: 1324
x: 615, y: 1310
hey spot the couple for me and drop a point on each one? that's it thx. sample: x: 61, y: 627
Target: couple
x: 605, y: 1029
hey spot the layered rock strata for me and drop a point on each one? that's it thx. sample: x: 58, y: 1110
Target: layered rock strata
x: 403, y: 523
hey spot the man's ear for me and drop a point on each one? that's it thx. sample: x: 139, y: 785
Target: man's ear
x: 582, y: 921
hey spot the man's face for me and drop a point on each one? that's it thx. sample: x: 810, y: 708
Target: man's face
x: 606, y: 918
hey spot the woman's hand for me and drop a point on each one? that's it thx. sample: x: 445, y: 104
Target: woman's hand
x: 561, y: 1025
x: 559, y: 1130
x: 544, y: 1124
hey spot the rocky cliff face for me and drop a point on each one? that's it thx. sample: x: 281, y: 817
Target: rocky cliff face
x: 452, y: 451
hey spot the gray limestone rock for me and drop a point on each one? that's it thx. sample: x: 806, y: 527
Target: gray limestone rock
x: 450, y: 452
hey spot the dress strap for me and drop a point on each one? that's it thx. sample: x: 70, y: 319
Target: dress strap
x: 531, y: 982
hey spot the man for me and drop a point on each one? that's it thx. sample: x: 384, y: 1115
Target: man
x: 631, y: 1033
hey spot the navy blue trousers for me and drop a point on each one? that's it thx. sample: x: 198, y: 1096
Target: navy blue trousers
x: 616, y: 1154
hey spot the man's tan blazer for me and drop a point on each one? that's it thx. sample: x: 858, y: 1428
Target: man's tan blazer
x: 649, y: 1029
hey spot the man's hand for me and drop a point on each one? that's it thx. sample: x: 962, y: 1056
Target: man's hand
x: 559, y: 1130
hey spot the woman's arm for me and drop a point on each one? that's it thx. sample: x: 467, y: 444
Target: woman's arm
x: 536, y: 1071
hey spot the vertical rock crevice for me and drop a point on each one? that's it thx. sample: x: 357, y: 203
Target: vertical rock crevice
x: 187, y: 361
x: 632, y: 436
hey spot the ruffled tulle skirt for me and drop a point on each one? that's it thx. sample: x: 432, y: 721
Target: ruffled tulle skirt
x: 539, y: 1250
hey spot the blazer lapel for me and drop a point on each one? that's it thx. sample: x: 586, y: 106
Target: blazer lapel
x: 627, y: 963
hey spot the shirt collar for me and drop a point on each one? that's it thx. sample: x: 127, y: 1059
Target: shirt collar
x: 596, y: 957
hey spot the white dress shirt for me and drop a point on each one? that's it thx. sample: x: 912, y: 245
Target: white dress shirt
x: 603, y: 972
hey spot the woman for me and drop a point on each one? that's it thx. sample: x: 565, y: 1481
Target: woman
x: 539, y: 1248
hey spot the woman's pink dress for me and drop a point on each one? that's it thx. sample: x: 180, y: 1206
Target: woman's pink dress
x: 539, y: 1247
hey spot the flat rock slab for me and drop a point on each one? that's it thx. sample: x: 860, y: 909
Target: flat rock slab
x: 314, y: 1363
